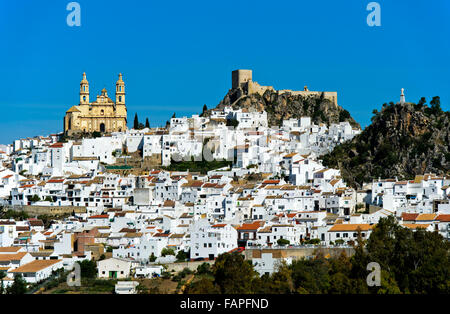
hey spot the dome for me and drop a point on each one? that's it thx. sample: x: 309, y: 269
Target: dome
x: 119, y: 81
x: 84, y: 80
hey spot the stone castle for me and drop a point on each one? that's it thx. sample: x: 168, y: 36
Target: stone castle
x: 243, y: 79
x: 102, y: 115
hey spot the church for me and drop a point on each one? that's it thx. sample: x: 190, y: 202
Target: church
x: 102, y: 115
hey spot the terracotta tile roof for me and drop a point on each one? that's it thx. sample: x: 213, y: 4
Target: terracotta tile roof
x: 57, y: 145
x: 35, y: 266
x: 218, y: 225
x: 9, y: 249
x: 128, y: 230
x: 27, y: 186
x: 409, y: 216
x: 98, y: 217
x: 425, y: 217
x: 443, y: 218
x: 55, y: 181
x: 169, y: 203
x: 177, y: 236
x: 271, y: 182
x: 36, y: 223
x: 351, y: 227
x: 193, y: 184
x: 251, y: 226
x: 7, y: 222
x: 12, y: 257
x: 161, y: 234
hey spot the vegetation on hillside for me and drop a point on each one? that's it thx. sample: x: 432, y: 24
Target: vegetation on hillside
x: 411, y: 262
x: 403, y: 140
x: 202, y: 166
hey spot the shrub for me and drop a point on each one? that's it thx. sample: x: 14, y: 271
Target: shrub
x: 204, y: 268
x: 167, y: 251
x: 283, y: 242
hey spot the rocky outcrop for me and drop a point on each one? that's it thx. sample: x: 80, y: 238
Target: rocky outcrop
x: 403, y: 140
x: 286, y: 105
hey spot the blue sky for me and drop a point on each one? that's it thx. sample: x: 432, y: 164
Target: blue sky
x: 176, y: 56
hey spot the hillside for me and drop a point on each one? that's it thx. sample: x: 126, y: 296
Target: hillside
x: 285, y: 106
x: 403, y: 140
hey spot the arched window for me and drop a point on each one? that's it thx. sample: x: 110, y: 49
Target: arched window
x: 84, y: 98
x: 120, y: 98
x: 102, y: 112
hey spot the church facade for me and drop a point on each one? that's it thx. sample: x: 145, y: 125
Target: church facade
x: 102, y: 115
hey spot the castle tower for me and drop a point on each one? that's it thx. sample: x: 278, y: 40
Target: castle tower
x: 402, y: 96
x: 240, y: 77
x: 120, y: 91
x: 84, y: 90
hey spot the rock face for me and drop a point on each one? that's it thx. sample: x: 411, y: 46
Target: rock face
x: 286, y: 106
x: 403, y: 140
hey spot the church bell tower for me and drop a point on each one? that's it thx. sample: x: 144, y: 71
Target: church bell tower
x: 120, y: 91
x: 84, y: 90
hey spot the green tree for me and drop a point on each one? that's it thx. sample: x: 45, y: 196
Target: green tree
x: 421, y: 102
x: 344, y: 115
x: 2, y: 287
x: 202, y: 286
x: 147, y: 123
x: 233, y: 274
x: 232, y: 122
x: 19, y: 286
x: 280, y: 282
x: 88, y: 269
x: 204, y: 269
x: 152, y: 258
x: 181, y: 256
x: 418, y: 261
x: 436, y: 105
x: 136, y: 122
x: 205, y: 108
x: 35, y: 198
x: 167, y: 251
x: 311, y: 276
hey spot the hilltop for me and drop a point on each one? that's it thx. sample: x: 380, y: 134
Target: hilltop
x: 322, y: 107
x: 403, y: 140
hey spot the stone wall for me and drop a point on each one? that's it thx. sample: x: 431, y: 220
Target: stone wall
x: 239, y: 77
x: 35, y: 210
x: 177, y: 267
x: 297, y: 253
